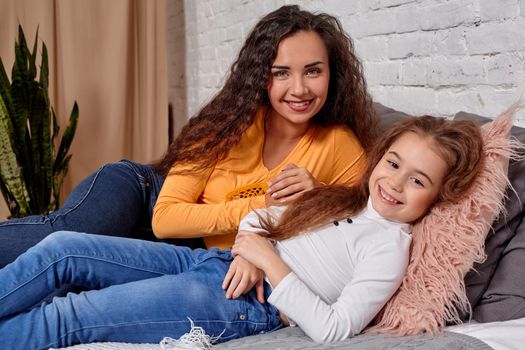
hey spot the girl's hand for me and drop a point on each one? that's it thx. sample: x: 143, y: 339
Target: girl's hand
x: 241, y: 277
x: 291, y: 182
x: 260, y: 252
x: 254, y: 248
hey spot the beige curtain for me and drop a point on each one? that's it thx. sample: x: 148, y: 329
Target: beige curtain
x: 109, y: 56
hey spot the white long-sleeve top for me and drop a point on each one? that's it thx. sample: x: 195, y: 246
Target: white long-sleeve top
x: 342, y: 274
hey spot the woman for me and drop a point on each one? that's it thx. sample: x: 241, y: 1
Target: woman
x: 280, y: 126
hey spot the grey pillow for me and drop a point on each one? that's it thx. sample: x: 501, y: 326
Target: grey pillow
x: 496, y: 287
x: 387, y: 116
x: 504, y: 298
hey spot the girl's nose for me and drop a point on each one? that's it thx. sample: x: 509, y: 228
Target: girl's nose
x: 396, y: 183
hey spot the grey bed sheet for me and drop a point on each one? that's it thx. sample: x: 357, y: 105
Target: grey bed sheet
x: 292, y: 338
x: 295, y: 339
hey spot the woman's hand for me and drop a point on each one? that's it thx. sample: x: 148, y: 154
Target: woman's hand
x: 291, y: 182
x: 260, y: 252
x: 241, y: 277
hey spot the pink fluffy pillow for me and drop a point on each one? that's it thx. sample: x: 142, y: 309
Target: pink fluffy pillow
x: 445, y: 245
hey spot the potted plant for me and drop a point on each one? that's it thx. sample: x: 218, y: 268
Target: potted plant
x: 32, y: 169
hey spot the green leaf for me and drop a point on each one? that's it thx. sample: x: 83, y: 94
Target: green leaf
x: 42, y: 164
x: 21, y: 98
x: 5, y: 88
x: 67, y: 138
x: 44, y: 70
x: 32, y: 169
x: 56, y: 129
x: 59, y: 181
x: 47, y: 139
x: 11, y: 202
x: 32, y: 57
x: 10, y: 172
x: 19, y: 94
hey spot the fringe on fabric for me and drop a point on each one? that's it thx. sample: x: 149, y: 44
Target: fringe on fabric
x: 195, y: 339
x: 448, y: 241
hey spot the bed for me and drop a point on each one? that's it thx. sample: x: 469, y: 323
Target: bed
x: 495, y: 289
x: 503, y: 335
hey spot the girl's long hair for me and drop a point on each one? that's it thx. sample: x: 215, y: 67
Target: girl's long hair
x: 459, y: 143
x: 218, y: 126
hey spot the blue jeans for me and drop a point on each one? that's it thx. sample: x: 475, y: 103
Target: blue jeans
x: 116, y: 200
x: 136, y: 291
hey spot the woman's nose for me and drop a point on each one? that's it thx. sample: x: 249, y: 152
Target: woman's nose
x: 299, y: 88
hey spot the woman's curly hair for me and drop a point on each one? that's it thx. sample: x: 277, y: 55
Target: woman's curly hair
x: 210, y: 134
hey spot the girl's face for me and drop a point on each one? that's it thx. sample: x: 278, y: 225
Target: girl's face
x: 407, y: 179
x: 299, y: 78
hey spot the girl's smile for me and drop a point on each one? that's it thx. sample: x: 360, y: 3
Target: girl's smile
x: 407, y: 179
x: 388, y: 199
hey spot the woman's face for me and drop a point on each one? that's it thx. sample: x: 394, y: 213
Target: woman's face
x: 299, y: 78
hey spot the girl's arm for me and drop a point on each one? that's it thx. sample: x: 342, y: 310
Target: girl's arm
x: 375, y: 280
x: 242, y: 275
x: 260, y: 252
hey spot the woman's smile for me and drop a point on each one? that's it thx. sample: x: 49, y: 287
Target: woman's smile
x: 299, y: 81
x: 299, y: 106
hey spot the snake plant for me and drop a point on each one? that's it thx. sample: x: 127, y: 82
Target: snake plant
x: 32, y: 169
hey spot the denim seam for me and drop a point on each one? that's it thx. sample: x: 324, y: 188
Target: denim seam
x: 46, y: 217
x: 88, y: 192
x: 35, y: 275
x: 142, y: 177
x: 145, y: 183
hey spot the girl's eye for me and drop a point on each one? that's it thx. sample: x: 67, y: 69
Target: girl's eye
x: 392, y: 164
x: 280, y: 73
x: 418, y: 182
x: 313, y: 72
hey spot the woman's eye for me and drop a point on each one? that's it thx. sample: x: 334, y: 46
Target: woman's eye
x: 313, y: 72
x: 280, y: 73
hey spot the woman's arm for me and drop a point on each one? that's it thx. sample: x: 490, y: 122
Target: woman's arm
x: 291, y: 183
x: 178, y: 215
x: 334, y: 157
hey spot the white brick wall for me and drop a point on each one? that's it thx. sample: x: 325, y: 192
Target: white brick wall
x: 176, y: 50
x: 420, y: 56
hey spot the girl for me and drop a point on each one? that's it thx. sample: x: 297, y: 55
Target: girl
x: 293, y: 114
x: 331, y: 260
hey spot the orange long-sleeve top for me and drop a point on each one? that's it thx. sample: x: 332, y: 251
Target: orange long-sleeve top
x: 211, y: 203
